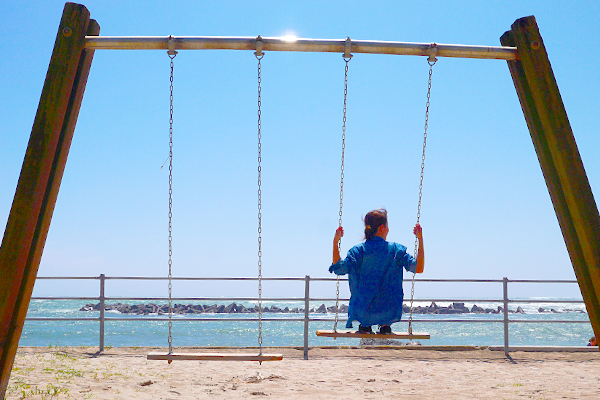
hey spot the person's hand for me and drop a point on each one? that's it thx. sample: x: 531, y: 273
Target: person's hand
x: 418, y: 231
x: 339, y: 232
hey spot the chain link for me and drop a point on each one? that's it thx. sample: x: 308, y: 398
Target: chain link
x: 343, y: 142
x: 260, y: 339
x: 171, y: 206
x: 412, y: 291
x: 337, y: 291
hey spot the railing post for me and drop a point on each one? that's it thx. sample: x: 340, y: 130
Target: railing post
x: 505, y: 298
x: 306, y: 313
x: 101, y: 345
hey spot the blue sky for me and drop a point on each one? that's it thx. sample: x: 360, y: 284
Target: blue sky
x: 486, y: 210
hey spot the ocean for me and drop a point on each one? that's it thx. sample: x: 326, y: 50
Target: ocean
x: 138, y: 331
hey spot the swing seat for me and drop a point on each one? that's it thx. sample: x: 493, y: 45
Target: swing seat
x: 214, y: 357
x: 354, y: 334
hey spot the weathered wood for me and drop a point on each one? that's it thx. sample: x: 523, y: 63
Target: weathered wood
x: 304, y: 45
x: 214, y: 357
x: 354, y: 334
x: 41, y: 174
x: 559, y: 158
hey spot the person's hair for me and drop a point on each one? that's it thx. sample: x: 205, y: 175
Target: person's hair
x: 373, y: 220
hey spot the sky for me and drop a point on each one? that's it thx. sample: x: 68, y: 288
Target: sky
x: 486, y: 212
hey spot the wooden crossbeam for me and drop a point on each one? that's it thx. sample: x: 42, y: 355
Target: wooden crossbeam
x: 354, y: 334
x: 214, y: 357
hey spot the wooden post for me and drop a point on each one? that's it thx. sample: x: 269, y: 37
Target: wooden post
x: 41, y: 174
x: 559, y: 158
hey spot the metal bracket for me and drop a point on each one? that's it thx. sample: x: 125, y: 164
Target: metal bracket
x: 433, y: 51
x: 171, y: 44
x: 259, y: 45
x: 347, y: 49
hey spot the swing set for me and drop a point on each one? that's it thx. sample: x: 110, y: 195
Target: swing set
x: 78, y: 38
x: 260, y: 357
x: 393, y: 335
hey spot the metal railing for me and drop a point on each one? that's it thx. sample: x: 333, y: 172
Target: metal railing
x: 306, y: 319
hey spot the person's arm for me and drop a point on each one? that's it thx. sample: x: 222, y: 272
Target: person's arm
x: 418, y: 231
x: 339, y: 232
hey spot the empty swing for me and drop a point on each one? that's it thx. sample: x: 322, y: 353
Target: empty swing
x: 170, y: 356
x: 410, y: 334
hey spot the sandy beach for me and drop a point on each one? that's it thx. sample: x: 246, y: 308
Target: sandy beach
x: 340, y: 373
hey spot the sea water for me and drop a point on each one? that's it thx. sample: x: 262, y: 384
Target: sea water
x: 138, y: 331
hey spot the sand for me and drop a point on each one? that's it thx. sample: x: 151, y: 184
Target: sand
x: 124, y: 373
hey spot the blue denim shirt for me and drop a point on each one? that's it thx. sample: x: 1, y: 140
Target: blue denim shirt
x: 375, y: 273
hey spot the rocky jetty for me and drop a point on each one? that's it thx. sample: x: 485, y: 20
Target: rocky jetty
x: 234, y: 308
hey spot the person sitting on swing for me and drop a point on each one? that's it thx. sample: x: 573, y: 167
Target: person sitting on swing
x: 375, y: 274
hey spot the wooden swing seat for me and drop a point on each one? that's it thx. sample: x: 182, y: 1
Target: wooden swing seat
x: 214, y: 357
x: 354, y: 334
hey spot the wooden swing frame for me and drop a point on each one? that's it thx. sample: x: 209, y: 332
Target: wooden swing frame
x: 60, y: 101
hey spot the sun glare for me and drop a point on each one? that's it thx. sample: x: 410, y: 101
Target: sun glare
x: 289, y: 37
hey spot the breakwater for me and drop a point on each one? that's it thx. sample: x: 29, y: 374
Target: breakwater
x: 234, y: 308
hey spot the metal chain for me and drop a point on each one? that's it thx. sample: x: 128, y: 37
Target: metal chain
x: 171, y: 205
x: 260, y: 339
x: 337, y: 292
x: 412, y: 291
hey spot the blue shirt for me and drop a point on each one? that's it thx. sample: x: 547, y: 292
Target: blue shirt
x: 375, y: 275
